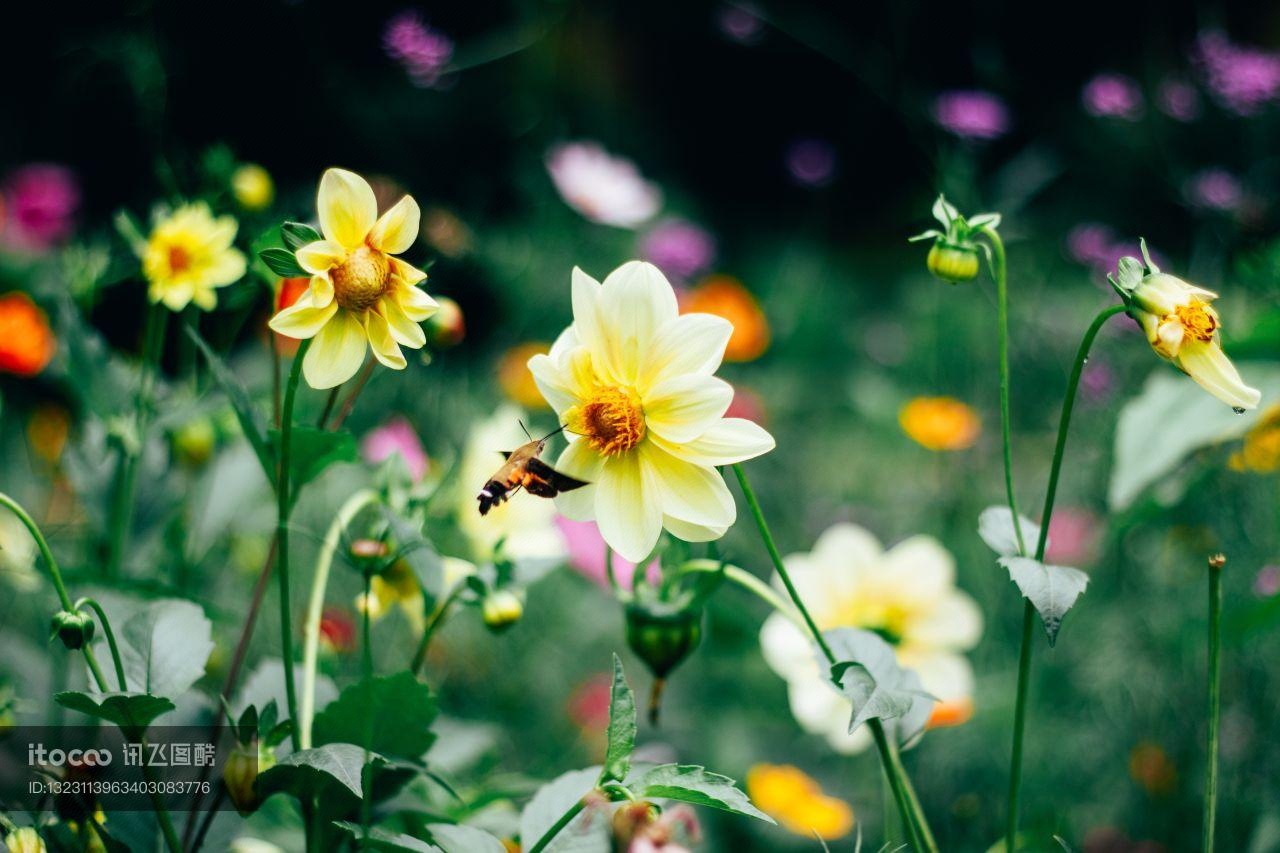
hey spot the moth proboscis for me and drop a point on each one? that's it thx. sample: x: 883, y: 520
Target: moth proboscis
x: 523, y: 469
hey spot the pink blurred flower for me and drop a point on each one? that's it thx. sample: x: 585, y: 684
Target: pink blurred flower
x: 587, y: 554
x: 747, y: 404
x: 41, y: 201
x: 1215, y: 189
x: 679, y: 248
x: 811, y: 162
x: 603, y: 188
x: 971, y: 114
x: 1074, y: 536
x: 1097, y: 381
x: 396, y: 436
x: 589, y: 703
x: 423, y: 51
x: 1097, y: 246
x: 740, y: 22
x: 1178, y: 100
x: 1242, y: 79
x: 1113, y: 96
x: 1267, y: 582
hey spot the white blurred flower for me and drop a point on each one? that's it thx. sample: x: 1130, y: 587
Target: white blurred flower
x: 603, y: 188
x: 906, y: 594
x: 17, y: 553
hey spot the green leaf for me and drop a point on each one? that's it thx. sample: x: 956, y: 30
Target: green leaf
x: 298, y: 234
x: 416, y: 550
x: 163, y: 646
x: 622, y: 727
x: 550, y: 803
x: 132, y: 712
x: 236, y: 394
x: 995, y: 526
x: 334, y: 768
x: 689, y: 783
x: 282, y: 263
x: 1052, y: 590
x: 377, y: 838
x: 453, y: 838
x: 394, y: 711
x: 312, y: 450
x: 869, y: 675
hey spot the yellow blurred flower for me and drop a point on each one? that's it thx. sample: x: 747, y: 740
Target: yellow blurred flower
x: 396, y: 587
x: 725, y: 297
x: 188, y: 255
x: 516, y: 380
x: 47, y: 431
x: 252, y: 186
x: 1151, y: 768
x: 24, y: 840
x: 1260, y: 452
x: 17, y: 554
x: 940, y: 423
x: 361, y: 296
x: 797, y: 803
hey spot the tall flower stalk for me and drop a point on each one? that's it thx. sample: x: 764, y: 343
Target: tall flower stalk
x: 1215, y: 699
x: 284, y: 505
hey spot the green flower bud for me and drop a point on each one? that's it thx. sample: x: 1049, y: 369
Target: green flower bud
x: 24, y: 840
x: 243, y: 765
x: 952, y: 262
x: 501, y: 609
x: 194, y: 441
x: 663, y: 639
x: 73, y: 628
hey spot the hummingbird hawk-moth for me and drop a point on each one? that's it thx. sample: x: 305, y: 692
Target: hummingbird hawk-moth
x: 523, y: 468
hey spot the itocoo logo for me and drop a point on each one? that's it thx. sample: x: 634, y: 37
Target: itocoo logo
x: 37, y: 754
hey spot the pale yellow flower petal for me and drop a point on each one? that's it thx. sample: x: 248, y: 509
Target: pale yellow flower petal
x: 918, y: 569
x: 955, y: 622
x: 565, y: 381
x: 404, y: 330
x: 692, y: 343
x: 589, y: 326
x: 627, y: 511
x: 204, y: 298
x: 1209, y: 366
x: 303, y: 319
x: 636, y: 301
x: 415, y: 303
x: 688, y: 492
x: 175, y: 295
x: 336, y: 353
x: 848, y: 545
x: 227, y: 267
x: 684, y: 407
x: 579, y: 460
x: 382, y: 342
x: 346, y: 206
x: 406, y: 272
x: 320, y: 256
x: 690, y: 532
x: 321, y: 290
x: 395, y: 230
x: 727, y: 441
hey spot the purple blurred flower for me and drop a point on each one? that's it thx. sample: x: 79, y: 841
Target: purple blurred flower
x: 587, y: 554
x: 423, y: 51
x: 1267, y: 583
x: 679, y: 248
x: 1073, y: 537
x: 971, y: 114
x: 1242, y: 79
x: 1178, y: 99
x: 740, y: 22
x: 396, y: 437
x: 1096, y: 245
x: 41, y: 201
x: 811, y: 162
x: 1097, y: 381
x: 1113, y: 96
x: 603, y: 188
x: 1215, y: 189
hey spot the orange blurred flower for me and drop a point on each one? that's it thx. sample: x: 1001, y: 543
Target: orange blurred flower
x: 47, y: 431
x: 515, y: 379
x: 796, y: 801
x: 940, y: 423
x: 1151, y: 768
x: 725, y: 297
x: 955, y: 712
x: 1260, y: 452
x: 288, y: 291
x: 26, y: 341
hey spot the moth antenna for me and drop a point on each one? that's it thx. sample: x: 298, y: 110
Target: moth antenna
x: 526, y: 430
x: 560, y: 428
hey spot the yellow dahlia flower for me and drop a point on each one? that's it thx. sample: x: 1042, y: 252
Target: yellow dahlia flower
x: 632, y: 381
x: 1182, y: 327
x: 359, y: 293
x: 188, y: 255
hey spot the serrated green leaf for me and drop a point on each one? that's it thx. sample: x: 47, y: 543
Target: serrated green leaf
x: 334, y: 768
x: 1052, y: 590
x: 164, y: 646
x: 298, y: 234
x: 690, y: 783
x: 282, y: 263
x: 452, y: 838
x: 132, y: 712
x: 551, y: 802
x: 869, y: 675
x: 377, y: 838
x: 400, y: 707
x: 622, y: 727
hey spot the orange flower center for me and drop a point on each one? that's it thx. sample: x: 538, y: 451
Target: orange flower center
x: 179, y: 259
x: 1198, y: 319
x: 362, y: 279
x: 612, y: 421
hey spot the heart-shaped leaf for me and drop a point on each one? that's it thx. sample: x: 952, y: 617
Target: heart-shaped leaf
x: 313, y: 450
x: 164, y: 647
x: 394, y: 712
x: 551, y: 802
x: 1052, y: 590
x: 867, y: 673
x: 689, y: 783
x: 622, y: 727
x: 132, y: 712
x: 995, y: 526
x: 334, y: 768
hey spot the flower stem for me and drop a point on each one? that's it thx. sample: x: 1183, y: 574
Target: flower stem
x: 111, y: 638
x: 1215, y: 699
x: 550, y: 834
x: 893, y: 772
x: 908, y: 803
x: 420, y: 655
x: 1028, y: 610
x: 283, y: 506
x: 55, y: 574
x: 749, y: 582
x: 999, y: 271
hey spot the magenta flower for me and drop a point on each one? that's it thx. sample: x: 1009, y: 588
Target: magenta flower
x: 1074, y: 536
x: 971, y: 114
x: 423, y: 51
x: 811, y: 162
x: 396, y: 437
x: 587, y: 554
x: 42, y: 200
x: 1113, y: 96
x: 679, y: 248
x: 602, y: 187
x: 1242, y: 79
x: 1178, y: 100
x: 1215, y: 189
x: 1097, y: 381
x: 1267, y: 582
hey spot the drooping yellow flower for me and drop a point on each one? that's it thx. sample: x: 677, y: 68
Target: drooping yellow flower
x: 940, y: 423
x: 1260, y: 452
x: 360, y: 294
x: 632, y: 379
x: 189, y: 255
x: 796, y: 801
x: 1182, y: 327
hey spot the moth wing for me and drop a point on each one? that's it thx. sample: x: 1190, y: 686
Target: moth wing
x: 557, y: 481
